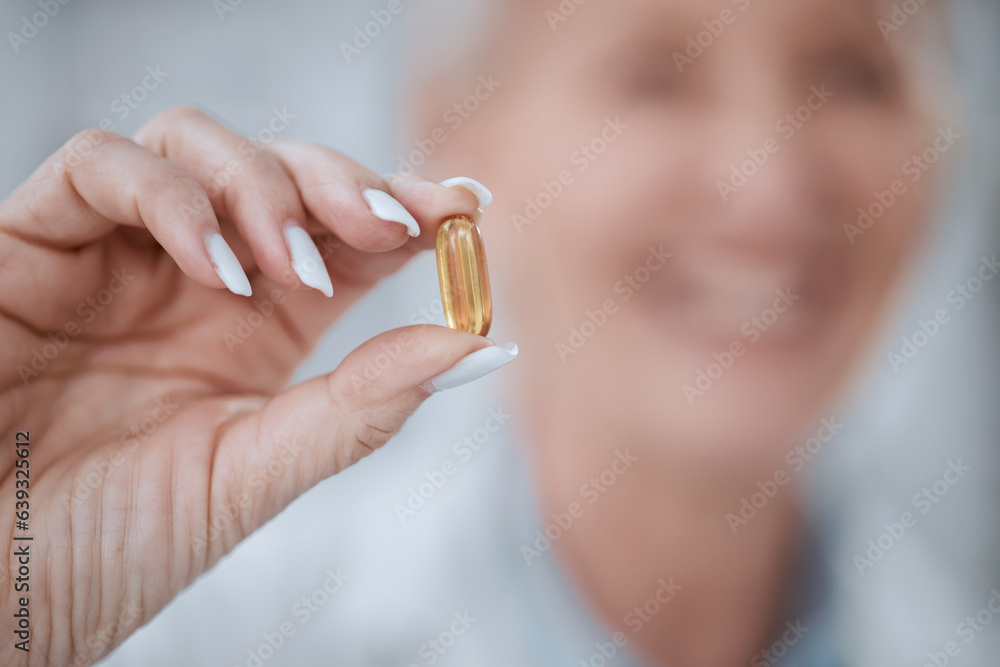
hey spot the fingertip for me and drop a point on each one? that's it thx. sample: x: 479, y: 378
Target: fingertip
x: 431, y: 202
x: 472, y: 367
x: 386, y: 207
x: 226, y: 264
x: 481, y: 192
x: 306, y: 259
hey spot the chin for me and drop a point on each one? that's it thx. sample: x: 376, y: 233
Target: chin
x: 742, y: 410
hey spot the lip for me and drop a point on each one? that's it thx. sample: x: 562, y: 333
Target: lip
x: 710, y: 304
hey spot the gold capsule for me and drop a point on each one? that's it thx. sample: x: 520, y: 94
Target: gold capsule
x: 464, y: 278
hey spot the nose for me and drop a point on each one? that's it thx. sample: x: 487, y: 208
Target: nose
x: 764, y: 168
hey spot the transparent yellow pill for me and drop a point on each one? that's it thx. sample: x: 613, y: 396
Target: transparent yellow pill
x: 464, y: 278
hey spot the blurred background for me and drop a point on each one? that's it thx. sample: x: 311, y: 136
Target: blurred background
x: 245, y: 61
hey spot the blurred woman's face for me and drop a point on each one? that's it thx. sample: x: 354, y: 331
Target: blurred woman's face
x: 739, y: 137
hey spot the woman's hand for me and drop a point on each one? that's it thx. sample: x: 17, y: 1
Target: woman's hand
x: 160, y: 433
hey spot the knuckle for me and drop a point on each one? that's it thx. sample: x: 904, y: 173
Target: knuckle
x: 82, y: 148
x: 156, y: 130
x: 94, y: 135
x: 327, y: 162
x: 300, y: 149
x: 83, y: 144
x: 280, y: 144
x: 264, y: 166
x: 371, y: 433
x: 179, y: 114
x: 185, y: 191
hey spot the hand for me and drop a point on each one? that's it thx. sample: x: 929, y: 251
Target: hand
x: 161, y: 432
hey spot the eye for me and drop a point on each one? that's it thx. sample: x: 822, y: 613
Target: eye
x: 644, y: 72
x: 650, y: 78
x: 856, y: 76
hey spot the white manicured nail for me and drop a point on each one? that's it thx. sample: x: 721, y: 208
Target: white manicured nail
x: 227, y: 266
x: 478, y: 364
x: 306, y: 260
x: 482, y: 193
x: 387, y: 208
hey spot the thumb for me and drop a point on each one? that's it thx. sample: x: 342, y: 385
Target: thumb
x: 319, y: 427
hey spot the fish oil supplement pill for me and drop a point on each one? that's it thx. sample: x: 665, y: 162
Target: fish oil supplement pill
x: 464, y: 278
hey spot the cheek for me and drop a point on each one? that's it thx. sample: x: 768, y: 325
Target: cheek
x: 567, y: 221
x: 884, y: 190
x: 577, y: 210
x: 872, y: 157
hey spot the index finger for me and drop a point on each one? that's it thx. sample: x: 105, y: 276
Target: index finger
x: 99, y: 180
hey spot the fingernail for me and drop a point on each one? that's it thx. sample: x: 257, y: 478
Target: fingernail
x: 387, y: 208
x: 482, y: 193
x: 306, y: 260
x: 227, y: 266
x: 478, y: 364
